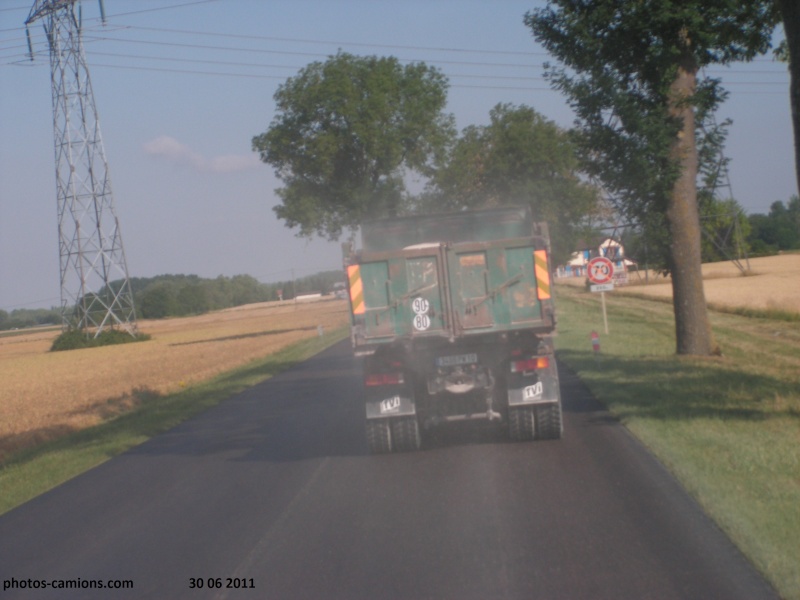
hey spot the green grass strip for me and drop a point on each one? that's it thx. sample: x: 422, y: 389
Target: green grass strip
x: 727, y: 427
x: 31, y: 472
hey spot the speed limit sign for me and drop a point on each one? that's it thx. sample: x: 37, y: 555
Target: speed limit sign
x: 600, y: 270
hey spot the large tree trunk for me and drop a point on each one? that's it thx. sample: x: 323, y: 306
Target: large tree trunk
x: 692, y: 326
x: 790, y: 13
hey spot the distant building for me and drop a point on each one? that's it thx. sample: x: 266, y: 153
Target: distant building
x: 608, y: 247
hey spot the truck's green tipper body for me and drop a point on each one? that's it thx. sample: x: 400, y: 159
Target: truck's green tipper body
x: 454, y: 316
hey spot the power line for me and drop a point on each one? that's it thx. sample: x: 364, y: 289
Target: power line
x: 274, y: 66
x: 337, y: 43
x: 451, y: 76
x: 160, y: 8
x: 30, y: 303
x: 105, y: 38
x: 451, y: 85
x: 308, y: 54
x: 194, y: 61
x: 188, y: 72
x: 303, y: 40
x: 294, y: 67
x: 286, y: 52
x: 283, y: 78
x: 136, y: 12
x: 93, y: 35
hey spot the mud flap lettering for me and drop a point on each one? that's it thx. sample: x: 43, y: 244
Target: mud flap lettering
x: 540, y: 389
x: 534, y: 392
x: 390, y: 405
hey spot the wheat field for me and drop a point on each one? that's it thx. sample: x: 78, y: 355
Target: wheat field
x: 773, y: 283
x: 47, y: 394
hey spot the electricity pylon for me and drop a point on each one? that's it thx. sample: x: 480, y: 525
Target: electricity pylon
x: 89, y: 238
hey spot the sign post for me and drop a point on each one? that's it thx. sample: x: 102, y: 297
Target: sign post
x: 600, y: 271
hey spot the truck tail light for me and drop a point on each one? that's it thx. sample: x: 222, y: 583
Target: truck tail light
x: 531, y: 364
x: 375, y: 379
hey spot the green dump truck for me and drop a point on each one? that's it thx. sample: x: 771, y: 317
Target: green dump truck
x: 453, y: 315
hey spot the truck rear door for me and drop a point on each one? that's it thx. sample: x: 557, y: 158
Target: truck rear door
x: 494, y: 285
x: 404, y: 293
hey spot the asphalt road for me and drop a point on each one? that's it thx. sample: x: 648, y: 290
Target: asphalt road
x: 273, y: 492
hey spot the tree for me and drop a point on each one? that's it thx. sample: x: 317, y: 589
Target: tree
x: 790, y: 14
x: 159, y: 300
x: 778, y: 230
x: 345, y: 134
x: 630, y: 70
x: 192, y: 299
x: 725, y: 228
x: 246, y: 290
x: 519, y: 158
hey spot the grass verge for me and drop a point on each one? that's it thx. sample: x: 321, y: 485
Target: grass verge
x: 31, y: 472
x: 728, y: 427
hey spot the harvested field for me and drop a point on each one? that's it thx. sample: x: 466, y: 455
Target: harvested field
x: 47, y: 394
x: 773, y: 284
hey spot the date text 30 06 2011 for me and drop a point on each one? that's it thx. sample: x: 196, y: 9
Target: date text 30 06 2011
x: 197, y: 583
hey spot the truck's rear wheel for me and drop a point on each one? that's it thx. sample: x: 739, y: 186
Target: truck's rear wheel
x: 379, y: 436
x: 405, y: 434
x: 548, y: 421
x: 521, y: 423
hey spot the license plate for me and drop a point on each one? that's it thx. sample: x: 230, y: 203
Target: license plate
x: 460, y: 359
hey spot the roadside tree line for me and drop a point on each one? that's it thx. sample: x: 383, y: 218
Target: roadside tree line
x: 183, y: 295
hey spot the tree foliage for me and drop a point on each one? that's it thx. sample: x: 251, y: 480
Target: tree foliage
x: 183, y: 295
x: 630, y: 72
x: 725, y: 229
x: 520, y: 157
x: 74, y: 339
x: 778, y: 230
x: 21, y: 318
x: 346, y: 133
x: 621, y: 59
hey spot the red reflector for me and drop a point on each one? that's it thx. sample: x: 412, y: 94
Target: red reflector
x: 541, y: 362
x: 383, y: 379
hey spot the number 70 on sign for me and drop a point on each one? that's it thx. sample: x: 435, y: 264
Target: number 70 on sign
x: 600, y: 270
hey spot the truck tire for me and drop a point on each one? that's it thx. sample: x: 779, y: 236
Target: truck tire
x: 548, y: 421
x: 379, y: 436
x: 521, y: 423
x: 405, y: 434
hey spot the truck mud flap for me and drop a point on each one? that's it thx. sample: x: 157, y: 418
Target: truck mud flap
x: 389, y: 403
x: 541, y: 389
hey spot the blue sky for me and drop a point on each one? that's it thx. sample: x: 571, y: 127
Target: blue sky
x: 182, y: 86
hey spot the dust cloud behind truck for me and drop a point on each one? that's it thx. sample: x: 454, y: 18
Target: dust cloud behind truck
x: 453, y: 315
